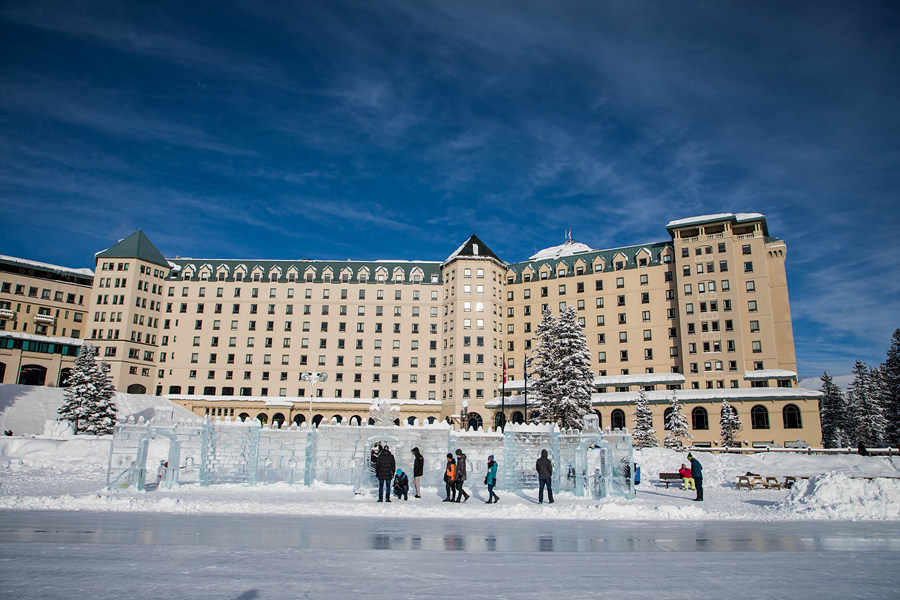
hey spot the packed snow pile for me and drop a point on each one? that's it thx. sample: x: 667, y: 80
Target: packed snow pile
x: 25, y: 409
x: 837, y: 496
x: 76, y: 454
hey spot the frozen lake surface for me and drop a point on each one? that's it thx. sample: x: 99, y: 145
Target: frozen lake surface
x: 113, y: 555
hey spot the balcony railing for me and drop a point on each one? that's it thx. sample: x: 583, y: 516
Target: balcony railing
x: 48, y: 319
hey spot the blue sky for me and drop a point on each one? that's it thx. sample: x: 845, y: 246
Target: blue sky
x: 391, y: 129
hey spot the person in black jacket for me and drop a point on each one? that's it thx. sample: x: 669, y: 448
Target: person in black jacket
x: 418, y: 470
x: 460, y: 475
x: 384, y: 471
x: 544, y: 469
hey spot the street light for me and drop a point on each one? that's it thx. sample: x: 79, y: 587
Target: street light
x: 312, y: 377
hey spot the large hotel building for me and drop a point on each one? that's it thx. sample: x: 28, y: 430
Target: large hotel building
x: 704, y: 312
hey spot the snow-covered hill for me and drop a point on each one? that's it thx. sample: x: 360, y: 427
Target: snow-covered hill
x: 25, y: 408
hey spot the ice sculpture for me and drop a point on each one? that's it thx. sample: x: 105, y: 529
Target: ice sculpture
x: 160, y: 454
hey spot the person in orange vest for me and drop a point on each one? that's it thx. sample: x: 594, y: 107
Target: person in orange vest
x: 450, y: 479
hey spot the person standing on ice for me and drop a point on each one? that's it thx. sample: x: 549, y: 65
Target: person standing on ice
x: 697, y: 474
x: 544, y: 469
x: 491, y: 480
x: 450, y: 479
x: 384, y: 471
x: 418, y: 470
x: 460, y: 475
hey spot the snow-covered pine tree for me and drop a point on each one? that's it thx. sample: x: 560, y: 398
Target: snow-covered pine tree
x: 544, y: 363
x: 730, y: 425
x: 643, y: 433
x: 79, y: 385
x: 676, y: 423
x: 833, y: 414
x: 564, y: 378
x: 88, y: 401
x: 101, y: 413
x: 890, y: 400
x: 867, y: 418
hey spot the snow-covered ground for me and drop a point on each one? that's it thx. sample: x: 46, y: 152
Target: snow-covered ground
x: 25, y: 409
x: 70, y: 474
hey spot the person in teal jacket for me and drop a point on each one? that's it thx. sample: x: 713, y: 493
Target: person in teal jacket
x: 491, y: 480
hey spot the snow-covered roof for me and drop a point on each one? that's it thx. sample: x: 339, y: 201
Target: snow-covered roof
x: 42, y: 338
x: 47, y: 266
x: 732, y: 395
x: 699, y: 220
x: 292, y: 400
x: 610, y: 380
x: 770, y: 374
x: 567, y: 249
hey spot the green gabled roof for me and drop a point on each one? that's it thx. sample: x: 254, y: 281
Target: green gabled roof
x: 137, y: 245
x: 607, y: 256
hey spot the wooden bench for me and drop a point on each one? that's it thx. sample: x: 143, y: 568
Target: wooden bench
x: 669, y: 478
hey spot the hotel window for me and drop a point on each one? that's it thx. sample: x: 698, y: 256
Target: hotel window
x: 756, y: 346
x: 751, y: 286
x: 751, y: 305
x: 748, y: 266
x: 620, y: 282
x: 745, y: 249
x: 687, y: 289
x: 645, y: 316
x: 754, y: 326
x: 601, y: 357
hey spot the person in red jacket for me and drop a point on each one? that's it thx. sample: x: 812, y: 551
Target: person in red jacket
x: 687, y: 477
x: 450, y: 479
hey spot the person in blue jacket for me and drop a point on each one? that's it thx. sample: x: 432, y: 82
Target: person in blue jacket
x: 401, y: 485
x: 697, y: 474
x: 491, y: 480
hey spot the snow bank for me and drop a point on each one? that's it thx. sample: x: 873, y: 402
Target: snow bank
x: 837, y: 496
x: 79, y: 453
x: 26, y: 408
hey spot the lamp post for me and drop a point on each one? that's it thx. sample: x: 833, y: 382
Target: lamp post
x: 312, y: 377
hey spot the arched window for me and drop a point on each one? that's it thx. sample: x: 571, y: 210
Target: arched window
x: 299, y: 420
x: 32, y: 375
x: 499, y: 420
x: 316, y: 420
x: 355, y: 420
x: 518, y: 418
x: 791, y: 416
x: 617, y: 419
x: 474, y: 421
x: 278, y: 419
x: 666, y: 414
x: 338, y: 418
x: 430, y: 420
x: 699, y: 418
x: 759, y: 417
x: 263, y: 418
x: 410, y: 420
x: 63, y: 376
x: 136, y: 388
x: 243, y: 417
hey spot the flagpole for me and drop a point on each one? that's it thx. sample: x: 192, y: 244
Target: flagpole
x: 503, y: 393
x: 525, y: 365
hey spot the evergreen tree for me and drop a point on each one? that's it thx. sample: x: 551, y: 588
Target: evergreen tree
x: 864, y: 407
x: 101, y: 417
x: 563, y: 378
x: 643, y: 434
x: 676, y: 423
x: 730, y: 424
x: 88, y: 401
x: 890, y: 400
x: 833, y: 414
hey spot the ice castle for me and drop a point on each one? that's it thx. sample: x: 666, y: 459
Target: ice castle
x: 163, y: 453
